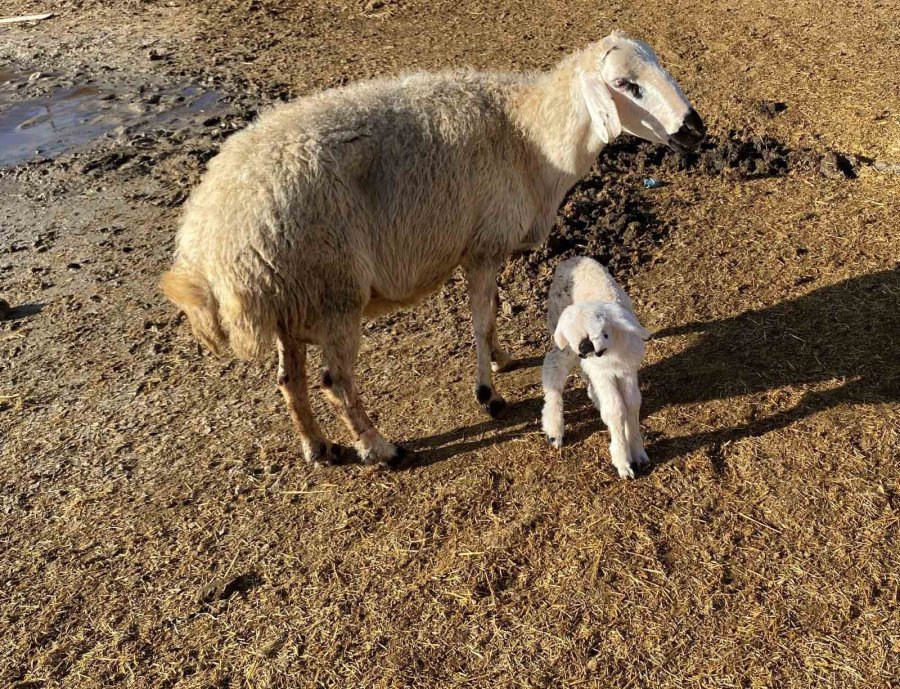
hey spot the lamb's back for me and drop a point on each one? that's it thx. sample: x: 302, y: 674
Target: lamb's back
x: 582, y: 279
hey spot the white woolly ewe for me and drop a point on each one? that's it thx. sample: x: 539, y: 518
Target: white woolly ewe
x: 591, y: 317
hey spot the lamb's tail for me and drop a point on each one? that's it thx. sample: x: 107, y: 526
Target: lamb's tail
x: 192, y: 293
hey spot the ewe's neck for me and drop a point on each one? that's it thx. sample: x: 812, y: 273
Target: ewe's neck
x: 552, y: 113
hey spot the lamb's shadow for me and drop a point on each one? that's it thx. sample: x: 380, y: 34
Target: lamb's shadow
x: 848, y: 333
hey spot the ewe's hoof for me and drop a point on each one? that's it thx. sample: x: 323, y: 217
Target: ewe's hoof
x: 497, y: 408
x: 555, y: 442
x: 380, y: 451
x: 502, y: 362
x: 491, y: 402
x: 402, y: 459
x: 328, y: 454
x: 641, y: 459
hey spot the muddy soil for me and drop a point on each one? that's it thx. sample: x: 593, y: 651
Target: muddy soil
x: 157, y: 527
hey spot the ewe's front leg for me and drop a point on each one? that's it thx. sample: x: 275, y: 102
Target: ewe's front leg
x: 482, y: 280
x: 557, y: 366
x: 339, y: 386
x: 615, y: 415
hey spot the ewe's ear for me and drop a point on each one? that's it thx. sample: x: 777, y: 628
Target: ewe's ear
x: 601, y: 107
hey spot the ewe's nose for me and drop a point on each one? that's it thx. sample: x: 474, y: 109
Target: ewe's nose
x: 690, y: 134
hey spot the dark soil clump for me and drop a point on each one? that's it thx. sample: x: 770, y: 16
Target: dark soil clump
x: 609, y: 215
x: 606, y: 216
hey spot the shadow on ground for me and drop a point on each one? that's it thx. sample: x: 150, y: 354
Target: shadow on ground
x: 23, y: 311
x: 848, y: 333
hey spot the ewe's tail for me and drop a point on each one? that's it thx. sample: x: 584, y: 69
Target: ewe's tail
x: 192, y: 293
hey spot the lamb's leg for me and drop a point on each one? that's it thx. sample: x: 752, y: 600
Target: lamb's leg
x: 339, y: 386
x: 631, y: 393
x: 590, y: 388
x: 557, y: 367
x: 482, y: 299
x: 615, y: 415
x: 292, y: 382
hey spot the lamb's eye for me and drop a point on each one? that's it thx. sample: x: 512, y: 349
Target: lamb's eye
x: 605, y: 336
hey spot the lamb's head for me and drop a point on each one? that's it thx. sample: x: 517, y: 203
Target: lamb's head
x: 626, y: 89
x: 591, y: 328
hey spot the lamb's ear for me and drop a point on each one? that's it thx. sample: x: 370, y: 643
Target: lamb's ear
x: 600, y: 105
x: 627, y: 321
x: 559, y: 338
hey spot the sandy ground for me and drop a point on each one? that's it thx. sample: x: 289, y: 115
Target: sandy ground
x: 158, y: 528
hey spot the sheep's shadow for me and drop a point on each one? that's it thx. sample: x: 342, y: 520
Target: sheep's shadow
x: 522, y: 419
x: 848, y: 333
x: 22, y: 311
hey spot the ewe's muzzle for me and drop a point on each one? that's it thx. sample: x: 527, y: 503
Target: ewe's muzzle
x: 690, y: 134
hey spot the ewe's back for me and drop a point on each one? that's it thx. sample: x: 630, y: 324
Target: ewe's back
x: 388, y: 150
x: 400, y: 119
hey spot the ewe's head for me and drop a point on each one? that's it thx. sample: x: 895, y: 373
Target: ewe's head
x: 591, y: 328
x: 626, y: 89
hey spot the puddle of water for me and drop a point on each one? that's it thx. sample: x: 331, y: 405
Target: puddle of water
x: 69, y: 117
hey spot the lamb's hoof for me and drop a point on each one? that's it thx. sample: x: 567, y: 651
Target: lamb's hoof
x: 625, y: 471
x: 556, y: 443
x: 641, y: 459
x: 328, y: 454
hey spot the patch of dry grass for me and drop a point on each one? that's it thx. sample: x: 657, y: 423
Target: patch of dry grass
x: 157, y: 528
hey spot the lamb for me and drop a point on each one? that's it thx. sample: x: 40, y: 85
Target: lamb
x: 364, y: 199
x: 591, y: 317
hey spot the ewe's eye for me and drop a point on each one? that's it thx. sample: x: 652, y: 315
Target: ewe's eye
x: 605, y: 336
x: 630, y: 86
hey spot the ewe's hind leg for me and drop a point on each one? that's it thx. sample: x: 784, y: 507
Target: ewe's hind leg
x: 557, y: 366
x: 339, y: 385
x: 631, y: 393
x: 500, y: 359
x: 292, y: 382
x: 483, y: 302
x: 615, y: 415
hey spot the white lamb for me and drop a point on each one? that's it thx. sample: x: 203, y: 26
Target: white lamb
x: 591, y: 317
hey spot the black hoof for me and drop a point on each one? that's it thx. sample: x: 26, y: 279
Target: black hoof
x: 483, y: 394
x: 497, y: 408
x: 402, y: 459
x: 330, y: 454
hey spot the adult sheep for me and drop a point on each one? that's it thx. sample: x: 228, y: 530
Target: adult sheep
x: 362, y: 199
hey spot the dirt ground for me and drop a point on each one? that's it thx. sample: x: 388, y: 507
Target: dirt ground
x: 158, y: 527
